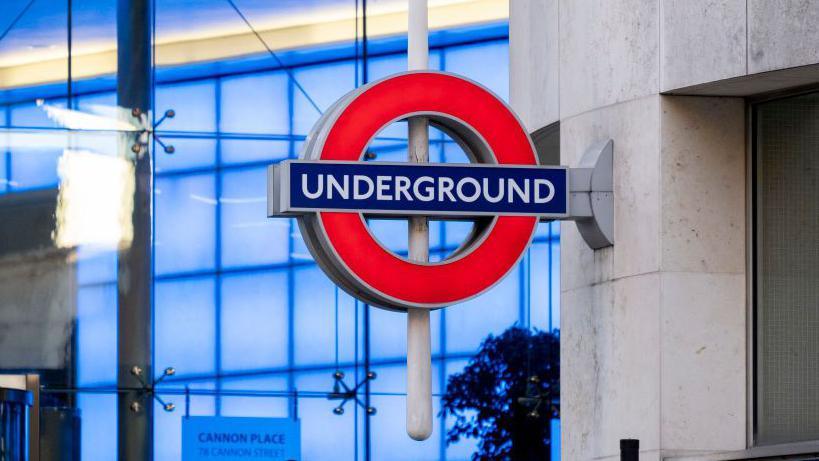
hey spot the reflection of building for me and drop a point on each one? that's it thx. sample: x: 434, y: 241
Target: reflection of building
x: 241, y: 312
x: 697, y: 333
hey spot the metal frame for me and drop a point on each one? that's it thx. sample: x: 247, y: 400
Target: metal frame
x: 135, y: 263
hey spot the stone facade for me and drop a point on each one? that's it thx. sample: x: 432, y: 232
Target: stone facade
x: 655, y: 328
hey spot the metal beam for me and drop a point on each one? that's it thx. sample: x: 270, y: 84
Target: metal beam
x: 135, y: 270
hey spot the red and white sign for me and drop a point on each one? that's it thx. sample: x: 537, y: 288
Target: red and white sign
x: 342, y: 243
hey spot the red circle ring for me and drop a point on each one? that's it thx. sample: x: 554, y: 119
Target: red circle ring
x: 376, y: 271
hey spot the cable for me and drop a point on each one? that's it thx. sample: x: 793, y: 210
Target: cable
x: 14, y: 23
x: 276, y: 57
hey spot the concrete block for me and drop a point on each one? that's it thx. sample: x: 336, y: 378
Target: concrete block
x: 610, y: 366
x: 703, y: 362
x: 782, y: 34
x: 578, y: 370
x: 703, y: 184
x: 609, y: 52
x: 581, y: 266
x: 533, y: 61
x: 634, y: 127
x: 630, y: 397
x: 701, y: 41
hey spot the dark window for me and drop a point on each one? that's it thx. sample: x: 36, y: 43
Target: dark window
x: 786, y: 205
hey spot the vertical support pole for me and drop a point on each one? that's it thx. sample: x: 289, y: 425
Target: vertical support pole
x: 135, y: 270
x: 419, y: 357
x: 629, y: 450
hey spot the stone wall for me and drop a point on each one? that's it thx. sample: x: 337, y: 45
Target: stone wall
x: 654, y: 329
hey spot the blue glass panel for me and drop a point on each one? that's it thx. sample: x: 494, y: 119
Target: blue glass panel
x: 254, y: 321
x: 395, y: 131
x: 31, y: 115
x: 188, y: 153
x: 96, y: 266
x: 185, y: 326
x: 457, y: 233
x: 391, y: 233
x: 325, y: 84
x: 388, y: 150
x: 98, y: 431
x: 496, y: 310
x: 453, y: 153
x: 168, y: 425
x: 388, y: 333
x: 33, y: 168
x: 269, y: 407
x: 298, y: 145
x: 97, y: 103
x: 194, y: 104
x: 3, y: 115
x: 347, y: 306
x: 545, y: 286
x: 465, y: 447
x: 437, y: 141
x: 4, y: 179
x: 383, y: 66
x: 253, y: 150
x: 555, y: 250
x: 555, y: 452
x: 97, y: 334
x: 543, y: 230
x: 437, y: 231
x: 314, y: 310
x: 487, y: 64
x: 389, y: 437
x: 249, y: 237
x: 391, y: 143
x: 539, y: 286
x: 185, y: 218
x: 324, y: 435
x: 300, y: 251
x: 255, y: 104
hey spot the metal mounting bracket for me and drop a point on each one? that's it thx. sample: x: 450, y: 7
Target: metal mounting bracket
x: 591, y: 199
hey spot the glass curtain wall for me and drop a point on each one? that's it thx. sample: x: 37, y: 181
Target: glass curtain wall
x: 249, y: 323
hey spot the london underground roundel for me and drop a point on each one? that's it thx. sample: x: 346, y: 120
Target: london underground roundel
x: 332, y: 190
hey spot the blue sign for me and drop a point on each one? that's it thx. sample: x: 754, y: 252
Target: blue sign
x: 429, y: 189
x: 240, y: 439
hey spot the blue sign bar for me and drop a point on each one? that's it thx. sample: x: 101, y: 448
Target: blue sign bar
x: 429, y: 189
x: 240, y: 439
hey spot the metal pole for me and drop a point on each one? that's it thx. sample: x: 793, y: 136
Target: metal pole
x: 419, y: 359
x: 629, y: 450
x: 134, y: 281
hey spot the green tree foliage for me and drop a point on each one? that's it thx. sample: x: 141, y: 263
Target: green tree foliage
x: 507, y: 396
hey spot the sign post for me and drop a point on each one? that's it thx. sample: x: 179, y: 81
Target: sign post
x: 419, y: 357
x: 330, y: 189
